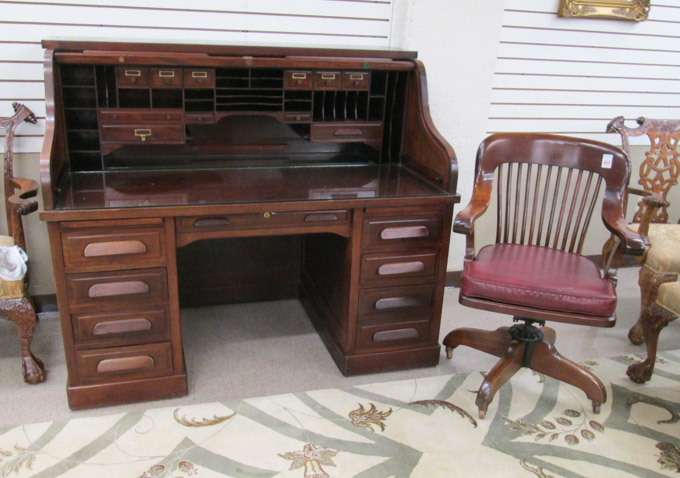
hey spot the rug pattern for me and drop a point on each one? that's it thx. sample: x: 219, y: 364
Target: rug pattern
x: 535, y: 427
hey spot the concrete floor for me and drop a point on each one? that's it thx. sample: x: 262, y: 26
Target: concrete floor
x: 248, y: 350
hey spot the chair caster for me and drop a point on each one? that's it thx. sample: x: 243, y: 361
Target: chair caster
x: 482, y: 414
x: 596, y: 408
x: 449, y: 352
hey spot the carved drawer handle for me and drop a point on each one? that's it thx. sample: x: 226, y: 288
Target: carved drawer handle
x: 348, y: 132
x: 143, y: 133
x: 166, y: 74
x: 211, y: 221
x: 118, y: 288
x: 399, y: 334
x: 125, y: 364
x: 397, y: 302
x: 114, y: 248
x: 404, y: 232
x: 320, y: 217
x: 121, y: 326
x: 133, y: 72
x: 401, y: 268
x: 199, y: 74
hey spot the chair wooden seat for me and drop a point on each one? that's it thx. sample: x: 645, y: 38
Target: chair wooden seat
x: 546, y: 190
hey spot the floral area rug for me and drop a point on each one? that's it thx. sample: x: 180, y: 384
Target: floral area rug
x: 535, y: 427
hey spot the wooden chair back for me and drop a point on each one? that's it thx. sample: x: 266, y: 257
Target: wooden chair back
x: 660, y: 169
x: 547, y: 186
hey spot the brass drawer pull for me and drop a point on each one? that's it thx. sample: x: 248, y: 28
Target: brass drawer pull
x: 327, y: 76
x: 299, y: 76
x: 125, y: 364
x: 401, y: 268
x: 133, y: 72
x: 399, y: 334
x: 356, y: 76
x: 114, y: 248
x: 118, y: 288
x: 166, y: 74
x: 211, y: 221
x: 143, y: 133
x: 397, y: 302
x: 405, y: 232
x: 199, y: 74
x: 121, y: 326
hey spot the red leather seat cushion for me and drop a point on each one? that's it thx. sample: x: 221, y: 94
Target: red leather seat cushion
x: 538, y: 277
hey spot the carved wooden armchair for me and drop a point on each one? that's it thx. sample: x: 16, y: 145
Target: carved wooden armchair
x: 15, y: 303
x: 546, y: 189
x: 659, y: 172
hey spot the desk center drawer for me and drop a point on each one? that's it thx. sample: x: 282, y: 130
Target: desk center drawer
x: 262, y: 219
x: 117, y: 288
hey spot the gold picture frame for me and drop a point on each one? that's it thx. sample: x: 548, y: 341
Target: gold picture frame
x: 634, y: 10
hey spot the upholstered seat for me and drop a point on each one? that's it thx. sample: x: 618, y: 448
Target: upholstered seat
x: 539, y: 277
x: 14, y: 288
x: 669, y: 297
x: 664, y: 252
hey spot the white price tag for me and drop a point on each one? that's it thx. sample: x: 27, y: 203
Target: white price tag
x: 607, y: 160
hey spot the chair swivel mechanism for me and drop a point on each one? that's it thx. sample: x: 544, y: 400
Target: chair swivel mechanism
x: 547, y: 188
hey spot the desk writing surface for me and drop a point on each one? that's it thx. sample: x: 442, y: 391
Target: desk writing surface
x: 179, y: 187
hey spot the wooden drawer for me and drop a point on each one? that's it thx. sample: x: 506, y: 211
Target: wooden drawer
x: 397, y: 302
x: 132, y: 77
x: 199, y: 77
x: 203, y: 118
x: 133, y: 117
x: 166, y: 78
x: 390, y: 335
x: 102, y: 329
x: 327, y: 80
x: 356, y: 80
x: 346, y: 131
x: 149, y: 134
x: 399, y: 268
x: 297, y: 117
x: 107, y: 247
x: 117, y: 288
x: 401, y: 231
x: 265, y: 219
x: 297, y: 80
x: 133, y: 362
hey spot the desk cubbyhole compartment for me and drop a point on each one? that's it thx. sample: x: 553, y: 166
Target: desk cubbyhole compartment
x: 166, y: 98
x: 83, y: 140
x: 199, y: 100
x: 340, y: 105
x: 86, y: 161
x: 232, y: 78
x: 298, y: 101
x: 77, y: 75
x: 81, y: 119
x: 266, y: 78
x: 134, y: 98
x: 379, y: 83
x: 79, y: 97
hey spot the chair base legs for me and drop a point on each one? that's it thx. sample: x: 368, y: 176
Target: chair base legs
x: 652, y: 320
x: 545, y: 359
x: 20, y: 311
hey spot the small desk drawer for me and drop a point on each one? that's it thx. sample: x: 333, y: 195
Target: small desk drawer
x: 400, y: 231
x: 264, y: 219
x: 104, y: 329
x: 399, y: 268
x: 345, y: 132
x: 140, y: 134
x: 199, y: 77
x: 136, y: 117
x: 327, y: 80
x: 356, y: 80
x: 117, y: 288
x: 166, y: 78
x: 97, y: 247
x: 297, y: 80
x: 390, y: 335
x: 137, y: 361
x: 132, y: 77
x: 397, y: 302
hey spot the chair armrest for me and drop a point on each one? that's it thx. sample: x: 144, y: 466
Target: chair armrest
x: 638, y: 192
x: 652, y: 203
x: 464, y: 223
x: 27, y: 188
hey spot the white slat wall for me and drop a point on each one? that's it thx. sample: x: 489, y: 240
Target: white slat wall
x: 23, y: 24
x: 571, y: 76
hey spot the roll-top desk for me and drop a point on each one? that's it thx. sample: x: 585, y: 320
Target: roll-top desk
x: 184, y: 174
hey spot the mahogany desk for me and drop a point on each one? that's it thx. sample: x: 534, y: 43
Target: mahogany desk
x: 177, y: 174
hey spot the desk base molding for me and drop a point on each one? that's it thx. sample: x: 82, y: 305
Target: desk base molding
x: 107, y: 394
